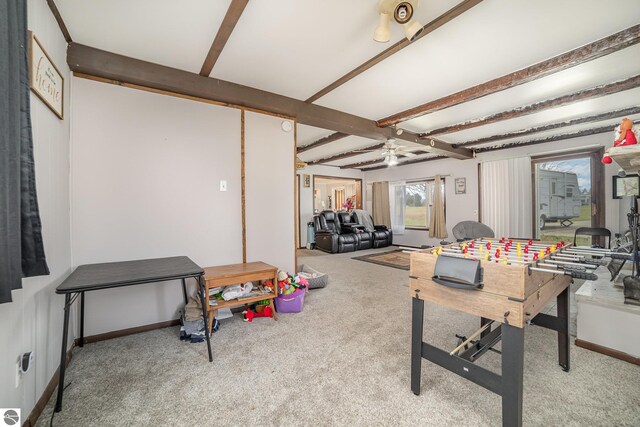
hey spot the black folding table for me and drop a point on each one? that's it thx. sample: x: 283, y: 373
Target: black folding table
x: 93, y: 277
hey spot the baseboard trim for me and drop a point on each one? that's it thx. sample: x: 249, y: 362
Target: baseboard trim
x: 47, y: 393
x: 51, y: 387
x: 128, y: 331
x: 616, y: 354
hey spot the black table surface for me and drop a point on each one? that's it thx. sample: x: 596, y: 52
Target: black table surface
x: 91, y: 277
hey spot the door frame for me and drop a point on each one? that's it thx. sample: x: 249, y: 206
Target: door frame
x: 341, y: 178
x: 597, y: 184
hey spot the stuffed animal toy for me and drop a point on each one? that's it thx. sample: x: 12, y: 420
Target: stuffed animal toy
x: 249, y: 315
x: 626, y: 134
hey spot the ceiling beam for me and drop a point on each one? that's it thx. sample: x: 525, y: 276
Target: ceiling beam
x: 428, y: 28
x: 59, y: 20
x: 585, y: 132
x: 322, y: 141
x: 408, y: 162
x: 360, y: 165
x: 224, y: 32
x: 594, y: 92
x: 347, y: 154
x: 595, y: 50
x: 589, y: 119
x: 100, y: 63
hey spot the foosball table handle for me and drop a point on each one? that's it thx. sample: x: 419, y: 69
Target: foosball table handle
x: 581, y: 275
x: 452, y: 283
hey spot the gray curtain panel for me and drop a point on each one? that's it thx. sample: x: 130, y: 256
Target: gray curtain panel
x: 21, y: 247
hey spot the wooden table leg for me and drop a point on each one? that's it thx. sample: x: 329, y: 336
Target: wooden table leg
x: 273, y: 308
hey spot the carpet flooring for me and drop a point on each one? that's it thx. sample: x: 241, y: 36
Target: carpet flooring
x: 343, y: 361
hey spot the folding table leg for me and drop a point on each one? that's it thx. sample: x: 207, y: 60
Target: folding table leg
x: 417, y: 319
x: 184, y: 291
x: 205, y: 316
x: 63, y: 351
x: 82, y: 319
x: 512, y: 374
x: 563, y: 337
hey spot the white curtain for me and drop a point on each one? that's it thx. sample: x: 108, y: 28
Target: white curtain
x: 507, y: 197
x: 396, y: 206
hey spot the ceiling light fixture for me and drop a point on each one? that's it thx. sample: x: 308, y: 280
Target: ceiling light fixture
x: 402, y: 12
x: 382, y: 33
x: 391, y: 159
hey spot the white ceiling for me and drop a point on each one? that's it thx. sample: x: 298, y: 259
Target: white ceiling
x: 296, y: 48
x: 173, y: 33
x: 494, y: 38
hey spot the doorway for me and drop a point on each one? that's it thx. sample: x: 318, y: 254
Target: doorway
x: 568, y: 193
x: 336, y: 193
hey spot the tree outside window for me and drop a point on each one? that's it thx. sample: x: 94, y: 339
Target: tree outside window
x: 419, y: 203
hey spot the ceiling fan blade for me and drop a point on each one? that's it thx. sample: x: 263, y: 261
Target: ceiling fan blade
x: 408, y: 154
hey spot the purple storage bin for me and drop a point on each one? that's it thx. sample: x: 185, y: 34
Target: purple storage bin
x: 291, y: 303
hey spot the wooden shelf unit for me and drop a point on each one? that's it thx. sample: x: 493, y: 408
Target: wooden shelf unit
x: 234, y: 274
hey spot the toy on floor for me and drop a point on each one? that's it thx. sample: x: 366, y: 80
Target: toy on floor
x: 261, y: 311
x: 626, y: 134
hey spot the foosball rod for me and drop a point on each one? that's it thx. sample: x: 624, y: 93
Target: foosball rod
x: 481, y: 258
x: 468, y: 340
x: 522, y: 242
x: 575, y: 274
x: 581, y: 264
x: 514, y: 256
x: 476, y: 254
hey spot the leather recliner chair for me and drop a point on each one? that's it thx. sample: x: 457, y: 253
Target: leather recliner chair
x: 349, y: 224
x: 381, y: 235
x: 329, y: 235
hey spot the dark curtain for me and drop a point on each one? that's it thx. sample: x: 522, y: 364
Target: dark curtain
x: 21, y: 247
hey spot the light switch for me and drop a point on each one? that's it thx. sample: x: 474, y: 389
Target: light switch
x: 223, y: 185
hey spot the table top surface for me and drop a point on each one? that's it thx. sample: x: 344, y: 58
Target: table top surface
x: 91, y: 277
x: 233, y: 270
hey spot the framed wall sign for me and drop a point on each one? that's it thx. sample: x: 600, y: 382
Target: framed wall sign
x: 626, y: 186
x: 307, y: 181
x: 461, y: 185
x: 45, y: 79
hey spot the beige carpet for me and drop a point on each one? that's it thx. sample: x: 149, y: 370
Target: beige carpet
x: 343, y: 361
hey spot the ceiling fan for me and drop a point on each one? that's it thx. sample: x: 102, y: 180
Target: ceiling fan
x: 391, y: 151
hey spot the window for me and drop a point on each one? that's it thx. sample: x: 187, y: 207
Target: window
x: 569, y: 191
x: 418, y: 200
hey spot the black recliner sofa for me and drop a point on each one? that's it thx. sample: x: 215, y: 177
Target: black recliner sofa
x: 341, y: 232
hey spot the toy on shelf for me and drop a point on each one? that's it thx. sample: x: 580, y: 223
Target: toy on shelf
x: 626, y: 134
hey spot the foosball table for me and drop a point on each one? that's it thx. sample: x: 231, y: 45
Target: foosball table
x: 506, y: 283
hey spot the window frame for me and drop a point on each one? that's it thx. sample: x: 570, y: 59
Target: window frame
x: 427, y: 182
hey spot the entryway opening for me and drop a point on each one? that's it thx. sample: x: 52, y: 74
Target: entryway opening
x: 336, y: 193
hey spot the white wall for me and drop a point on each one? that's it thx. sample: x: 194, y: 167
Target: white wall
x: 306, y: 194
x: 33, y: 321
x: 269, y: 191
x: 461, y: 207
x: 145, y: 183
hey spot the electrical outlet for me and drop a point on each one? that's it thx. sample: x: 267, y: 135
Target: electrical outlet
x: 223, y: 185
x: 475, y: 212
